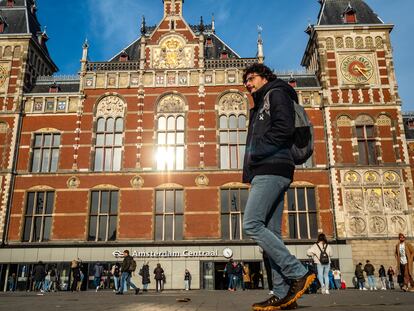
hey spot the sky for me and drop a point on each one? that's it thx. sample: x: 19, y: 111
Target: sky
x: 111, y: 25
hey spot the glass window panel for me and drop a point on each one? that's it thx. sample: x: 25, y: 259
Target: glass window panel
x: 50, y: 196
x: 180, y: 138
x: 56, y: 140
x: 98, y: 159
x: 108, y: 159
x: 242, y: 137
x: 301, y: 199
x: 38, y: 140
x: 224, y: 198
x: 27, y: 228
x: 179, y: 165
x: 102, y: 228
x: 224, y: 137
x: 100, y: 139
x: 180, y: 123
x: 104, y: 202
x: 179, y: 202
x: 225, y: 228
x: 360, y: 131
x: 159, y: 225
x: 362, y: 153
x: 94, y: 202
x: 110, y: 125
x: 92, y: 228
x: 47, y: 142
x: 303, y: 226
x: 36, y: 160
x: 45, y: 160
x: 235, y: 227
x: 293, y: 233
x: 242, y: 150
x: 171, y: 157
x: 161, y: 139
x: 169, y: 201
x: 233, y: 157
x: 55, y: 159
x: 178, y: 227
x: 311, y: 199
x: 30, y: 203
x: 170, y: 138
x: 233, y: 122
x: 242, y: 122
x: 119, y: 125
x: 313, y: 225
x: 168, y: 227
x: 244, y: 194
x: 171, y: 123
x: 159, y: 202
x: 117, y: 159
x: 109, y: 139
x: 233, y: 137
x: 112, y: 228
x: 101, y: 125
x: 162, y: 123
x: 47, y: 226
x: 224, y: 157
x: 37, y: 229
x: 291, y: 199
x: 40, y: 201
x: 370, y: 131
x: 161, y: 157
x: 114, y: 202
x: 118, y: 139
x: 223, y: 122
x: 371, y: 152
x: 234, y: 200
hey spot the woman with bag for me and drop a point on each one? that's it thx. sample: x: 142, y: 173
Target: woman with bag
x: 321, y: 253
x: 145, y: 275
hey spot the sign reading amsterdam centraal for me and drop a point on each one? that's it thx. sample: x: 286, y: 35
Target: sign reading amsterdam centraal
x: 168, y: 254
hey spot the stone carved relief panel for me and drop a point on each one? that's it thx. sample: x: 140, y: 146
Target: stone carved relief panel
x: 374, y: 202
x: 171, y: 103
x: 232, y: 103
x: 110, y: 106
x: 172, y: 53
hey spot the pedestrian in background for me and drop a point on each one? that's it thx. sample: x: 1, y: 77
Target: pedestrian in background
x: 383, y: 277
x: 390, y: 274
x: 97, y: 275
x: 75, y: 275
x: 369, y: 270
x: 115, y: 273
x: 337, y: 277
x: 246, y: 276
x: 159, y: 278
x: 145, y: 275
x: 39, y: 274
x: 127, y: 268
x: 187, y: 279
x: 359, y: 274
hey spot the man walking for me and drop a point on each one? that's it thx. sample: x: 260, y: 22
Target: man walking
x: 369, y: 270
x: 127, y: 267
x: 269, y: 168
x: 404, y: 253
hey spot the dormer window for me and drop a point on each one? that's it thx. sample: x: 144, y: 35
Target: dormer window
x: 10, y: 3
x: 349, y: 15
x: 410, y: 124
x: 209, y: 42
x: 224, y: 55
x: 124, y: 57
x: 54, y: 88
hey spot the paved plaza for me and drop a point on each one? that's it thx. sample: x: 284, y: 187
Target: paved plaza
x: 201, y: 301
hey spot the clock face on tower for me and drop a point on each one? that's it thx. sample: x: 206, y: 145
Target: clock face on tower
x: 357, y: 69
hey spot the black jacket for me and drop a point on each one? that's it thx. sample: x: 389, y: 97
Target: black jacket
x: 126, y: 263
x: 270, y: 134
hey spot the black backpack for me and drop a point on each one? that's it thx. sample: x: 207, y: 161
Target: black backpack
x: 323, y: 257
x: 133, y: 265
x: 302, y: 147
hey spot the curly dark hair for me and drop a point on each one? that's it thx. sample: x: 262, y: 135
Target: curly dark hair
x: 261, y: 70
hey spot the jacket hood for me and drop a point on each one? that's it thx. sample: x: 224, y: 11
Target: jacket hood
x: 276, y: 84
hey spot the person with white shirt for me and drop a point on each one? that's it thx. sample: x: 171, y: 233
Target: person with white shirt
x: 404, y: 253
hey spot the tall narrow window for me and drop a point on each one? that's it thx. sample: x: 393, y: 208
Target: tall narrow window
x: 233, y: 203
x: 45, y: 152
x: 366, y: 145
x: 169, y: 209
x: 302, y: 216
x: 103, y: 216
x: 233, y: 135
x: 38, y: 216
x: 108, y: 146
x: 170, y: 142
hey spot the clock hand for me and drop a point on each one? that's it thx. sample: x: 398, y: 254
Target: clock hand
x: 361, y: 71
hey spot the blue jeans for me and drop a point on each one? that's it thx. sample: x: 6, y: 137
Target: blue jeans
x: 116, y: 281
x: 371, y: 281
x: 323, y: 277
x: 125, y: 281
x: 97, y: 281
x: 263, y: 221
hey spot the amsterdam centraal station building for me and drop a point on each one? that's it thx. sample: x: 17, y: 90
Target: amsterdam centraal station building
x: 144, y: 151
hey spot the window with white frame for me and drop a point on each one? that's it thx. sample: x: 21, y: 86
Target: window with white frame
x: 233, y: 204
x: 103, y: 215
x: 108, y: 145
x: 233, y: 133
x: 45, y: 152
x: 170, y: 142
x: 169, y: 210
x: 38, y: 217
x: 302, y: 215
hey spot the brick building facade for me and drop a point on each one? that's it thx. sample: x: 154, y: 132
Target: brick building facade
x: 144, y: 151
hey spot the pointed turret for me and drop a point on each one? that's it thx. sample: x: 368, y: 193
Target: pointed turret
x: 260, y: 51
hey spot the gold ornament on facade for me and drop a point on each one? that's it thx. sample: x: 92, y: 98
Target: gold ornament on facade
x: 384, y: 121
x: 357, y: 225
x: 343, y: 121
x: 352, y: 177
x: 73, y: 182
x: 137, y: 182
x: 110, y: 106
x: 391, y: 177
x: 377, y: 224
x: 202, y: 180
x: 371, y: 177
x: 171, y: 103
x: 232, y: 103
x: 172, y: 54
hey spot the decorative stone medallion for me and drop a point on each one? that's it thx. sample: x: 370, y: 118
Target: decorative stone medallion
x: 137, y: 182
x: 73, y: 182
x: 202, y: 180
